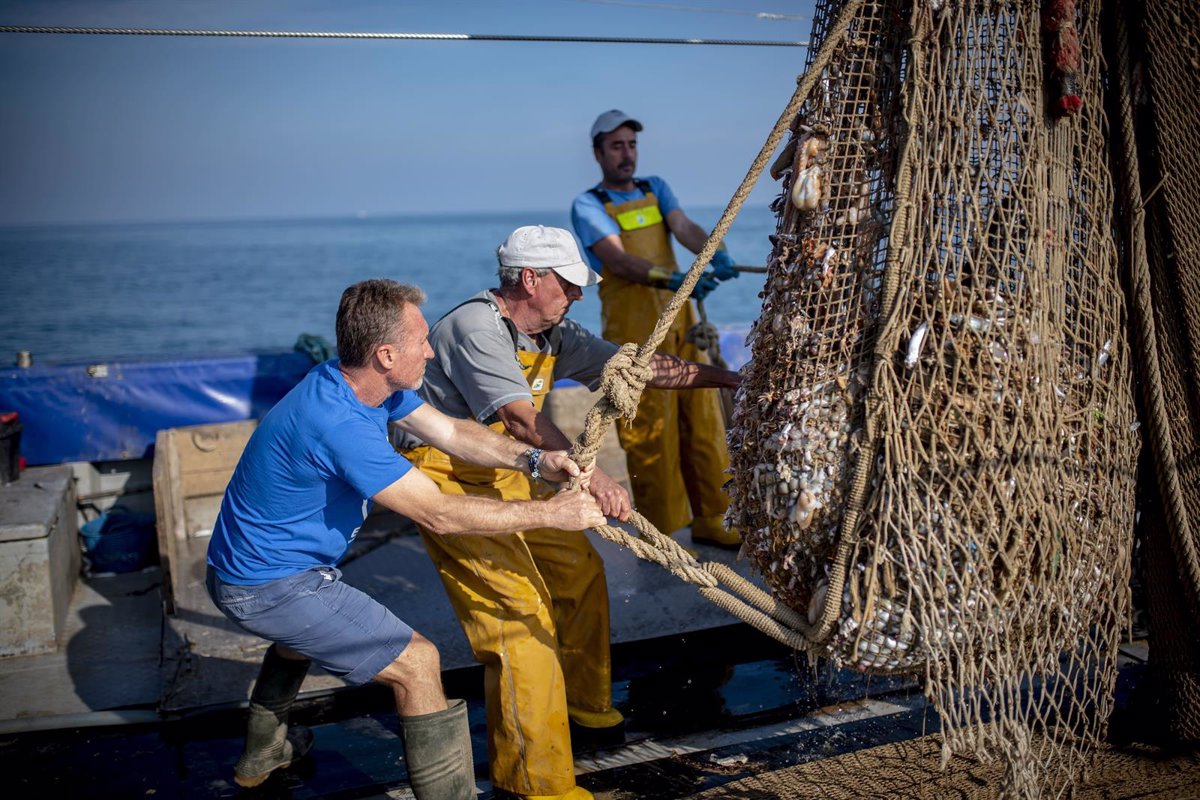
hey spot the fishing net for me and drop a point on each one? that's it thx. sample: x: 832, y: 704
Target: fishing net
x: 1157, y: 68
x: 934, y: 443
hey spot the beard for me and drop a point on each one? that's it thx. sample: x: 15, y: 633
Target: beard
x: 621, y: 172
x: 412, y: 386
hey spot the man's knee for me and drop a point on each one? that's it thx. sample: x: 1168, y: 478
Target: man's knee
x: 422, y: 655
x: 419, y: 662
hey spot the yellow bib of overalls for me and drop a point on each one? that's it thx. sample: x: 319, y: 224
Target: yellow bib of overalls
x: 675, y: 448
x: 510, y: 483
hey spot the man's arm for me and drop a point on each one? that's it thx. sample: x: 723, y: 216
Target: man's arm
x: 611, y: 252
x: 477, y: 444
x: 417, y: 497
x: 673, y: 372
x: 689, y: 234
x: 528, y: 424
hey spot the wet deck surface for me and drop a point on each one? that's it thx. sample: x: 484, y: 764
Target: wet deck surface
x: 703, y: 710
x: 137, y: 702
x: 693, y: 702
x: 140, y: 705
x: 121, y: 652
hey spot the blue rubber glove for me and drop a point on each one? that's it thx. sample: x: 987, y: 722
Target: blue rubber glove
x: 722, y: 264
x: 700, y: 291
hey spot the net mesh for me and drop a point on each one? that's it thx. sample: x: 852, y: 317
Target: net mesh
x: 934, y: 443
x: 1161, y: 92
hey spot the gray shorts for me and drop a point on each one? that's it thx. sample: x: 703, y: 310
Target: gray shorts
x: 341, y: 629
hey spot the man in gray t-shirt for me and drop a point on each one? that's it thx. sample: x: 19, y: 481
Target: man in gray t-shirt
x: 473, y: 340
x: 533, y: 604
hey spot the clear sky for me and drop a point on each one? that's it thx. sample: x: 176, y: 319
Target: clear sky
x: 123, y: 128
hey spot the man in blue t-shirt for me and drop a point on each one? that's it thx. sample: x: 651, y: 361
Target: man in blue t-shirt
x: 298, y: 496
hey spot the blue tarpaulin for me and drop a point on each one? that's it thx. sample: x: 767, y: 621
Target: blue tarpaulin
x: 113, y: 411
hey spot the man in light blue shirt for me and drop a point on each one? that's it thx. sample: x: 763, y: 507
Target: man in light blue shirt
x: 675, y: 445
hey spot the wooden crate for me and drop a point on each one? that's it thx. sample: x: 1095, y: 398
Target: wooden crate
x: 39, y: 560
x: 192, y: 467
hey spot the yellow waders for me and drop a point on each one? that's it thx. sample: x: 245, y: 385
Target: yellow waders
x: 534, y: 606
x: 675, y: 448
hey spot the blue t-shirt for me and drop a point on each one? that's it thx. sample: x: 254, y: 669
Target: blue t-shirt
x: 303, y: 485
x: 592, y: 223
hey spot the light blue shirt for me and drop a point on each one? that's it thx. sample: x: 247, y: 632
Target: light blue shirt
x: 592, y: 223
x: 302, y: 487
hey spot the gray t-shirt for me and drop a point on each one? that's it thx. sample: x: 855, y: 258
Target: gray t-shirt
x: 474, y: 370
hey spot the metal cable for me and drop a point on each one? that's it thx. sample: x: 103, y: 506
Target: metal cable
x: 480, y: 37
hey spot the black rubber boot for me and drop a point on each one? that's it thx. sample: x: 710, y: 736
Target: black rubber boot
x: 437, y: 748
x: 269, y: 743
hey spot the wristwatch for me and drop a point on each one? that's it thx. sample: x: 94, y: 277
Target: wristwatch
x: 534, y: 455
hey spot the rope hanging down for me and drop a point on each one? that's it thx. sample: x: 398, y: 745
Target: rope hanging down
x: 627, y: 372
x: 473, y: 37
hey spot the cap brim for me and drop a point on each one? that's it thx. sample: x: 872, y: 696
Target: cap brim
x: 607, y: 127
x: 579, y: 274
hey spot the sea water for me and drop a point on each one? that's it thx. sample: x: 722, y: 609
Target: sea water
x: 171, y: 290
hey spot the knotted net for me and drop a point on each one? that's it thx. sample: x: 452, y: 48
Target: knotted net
x: 1156, y: 68
x: 934, y: 443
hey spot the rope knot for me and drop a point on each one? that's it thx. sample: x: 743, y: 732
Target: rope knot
x: 704, y: 335
x: 624, y: 378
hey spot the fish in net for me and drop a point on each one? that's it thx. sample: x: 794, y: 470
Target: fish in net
x: 933, y: 447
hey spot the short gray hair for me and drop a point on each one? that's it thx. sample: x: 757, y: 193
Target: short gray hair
x: 510, y: 277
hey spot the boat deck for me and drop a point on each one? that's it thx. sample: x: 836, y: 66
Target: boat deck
x: 122, y: 654
x: 138, y: 704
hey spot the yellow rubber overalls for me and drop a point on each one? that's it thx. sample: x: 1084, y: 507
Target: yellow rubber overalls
x: 675, y: 448
x: 534, y: 606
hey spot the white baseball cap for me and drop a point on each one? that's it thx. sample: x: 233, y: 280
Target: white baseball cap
x: 609, y: 121
x: 539, y: 247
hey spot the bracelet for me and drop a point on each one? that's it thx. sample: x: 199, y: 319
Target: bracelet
x: 534, y: 455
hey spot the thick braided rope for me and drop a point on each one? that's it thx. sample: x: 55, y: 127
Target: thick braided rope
x: 626, y: 374
x: 705, y: 336
x: 742, y: 599
x: 1143, y: 322
x: 624, y: 379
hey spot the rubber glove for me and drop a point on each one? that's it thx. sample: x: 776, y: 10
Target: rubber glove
x: 700, y: 291
x: 722, y: 264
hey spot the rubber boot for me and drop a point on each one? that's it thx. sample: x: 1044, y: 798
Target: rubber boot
x: 591, y: 730
x: 575, y: 793
x: 269, y: 744
x: 437, y: 747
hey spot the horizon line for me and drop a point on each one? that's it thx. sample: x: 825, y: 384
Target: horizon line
x: 350, y: 216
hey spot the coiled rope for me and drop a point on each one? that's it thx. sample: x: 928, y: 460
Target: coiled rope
x: 625, y: 377
x: 474, y: 37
